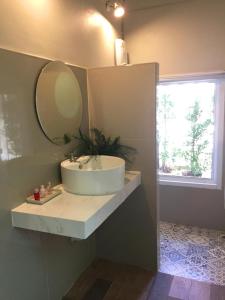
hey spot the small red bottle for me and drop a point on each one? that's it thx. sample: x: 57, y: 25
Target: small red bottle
x: 36, y: 195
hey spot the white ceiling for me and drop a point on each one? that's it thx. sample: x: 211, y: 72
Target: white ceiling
x: 142, y: 4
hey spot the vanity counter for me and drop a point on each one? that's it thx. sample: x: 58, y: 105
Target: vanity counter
x: 76, y: 216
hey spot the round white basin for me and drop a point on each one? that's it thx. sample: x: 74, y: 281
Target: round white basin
x: 93, y: 175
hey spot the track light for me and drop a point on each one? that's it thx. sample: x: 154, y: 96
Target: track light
x: 119, y: 10
x: 116, y: 6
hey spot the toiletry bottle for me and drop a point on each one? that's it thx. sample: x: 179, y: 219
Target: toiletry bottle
x: 49, y: 188
x: 36, y: 195
x: 42, y: 191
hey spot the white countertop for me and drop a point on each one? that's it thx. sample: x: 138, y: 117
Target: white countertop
x: 71, y: 215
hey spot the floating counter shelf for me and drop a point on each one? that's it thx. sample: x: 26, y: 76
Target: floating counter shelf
x: 71, y: 215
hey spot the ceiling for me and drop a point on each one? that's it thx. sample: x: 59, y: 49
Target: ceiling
x: 142, y: 4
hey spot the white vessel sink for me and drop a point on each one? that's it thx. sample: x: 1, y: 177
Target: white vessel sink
x: 93, y: 175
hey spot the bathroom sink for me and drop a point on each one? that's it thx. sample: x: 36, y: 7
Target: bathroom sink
x: 93, y: 175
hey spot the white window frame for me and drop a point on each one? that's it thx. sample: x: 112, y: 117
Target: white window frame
x: 217, y: 165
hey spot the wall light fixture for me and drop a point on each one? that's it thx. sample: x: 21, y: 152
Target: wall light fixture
x: 117, y: 7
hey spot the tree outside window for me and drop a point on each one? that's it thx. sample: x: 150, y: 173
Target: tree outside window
x: 185, y: 128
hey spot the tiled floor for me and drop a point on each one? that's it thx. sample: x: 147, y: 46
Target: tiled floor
x: 193, y: 253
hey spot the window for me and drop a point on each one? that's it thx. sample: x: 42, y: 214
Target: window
x: 190, y: 132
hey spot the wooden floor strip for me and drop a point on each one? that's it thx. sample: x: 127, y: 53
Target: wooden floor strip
x: 98, y: 290
x: 105, y: 280
x: 127, y: 282
x: 167, y: 287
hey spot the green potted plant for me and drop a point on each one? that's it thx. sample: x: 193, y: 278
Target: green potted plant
x: 98, y: 144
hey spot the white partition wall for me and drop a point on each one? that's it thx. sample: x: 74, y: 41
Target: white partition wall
x: 122, y: 101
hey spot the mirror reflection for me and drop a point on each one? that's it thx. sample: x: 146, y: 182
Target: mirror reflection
x: 58, y: 102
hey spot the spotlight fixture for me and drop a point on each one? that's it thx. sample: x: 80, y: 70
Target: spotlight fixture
x: 116, y: 6
x: 119, y: 10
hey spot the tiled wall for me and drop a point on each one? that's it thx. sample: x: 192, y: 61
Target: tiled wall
x: 32, y: 265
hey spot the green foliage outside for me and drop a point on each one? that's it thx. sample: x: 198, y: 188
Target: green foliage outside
x: 164, y: 112
x: 197, y: 140
x: 192, y: 157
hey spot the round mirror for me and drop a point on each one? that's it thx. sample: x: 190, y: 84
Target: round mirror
x: 58, y: 102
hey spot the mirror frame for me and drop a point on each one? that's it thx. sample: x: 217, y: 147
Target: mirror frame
x: 43, y: 126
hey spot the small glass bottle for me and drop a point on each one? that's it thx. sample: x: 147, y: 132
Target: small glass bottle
x: 42, y: 191
x: 49, y: 188
x: 36, y: 195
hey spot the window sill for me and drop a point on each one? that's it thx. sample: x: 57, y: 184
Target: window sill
x: 200, y: 185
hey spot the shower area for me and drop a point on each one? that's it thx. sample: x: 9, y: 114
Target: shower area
x: 190, y: 122
x: 192, y: 252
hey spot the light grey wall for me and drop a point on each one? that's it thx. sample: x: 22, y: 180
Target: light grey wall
x: 192, y: 206
x: 32, y: 265
x: 74, y: 31
x: 185, y: 37
x: 122, y: 103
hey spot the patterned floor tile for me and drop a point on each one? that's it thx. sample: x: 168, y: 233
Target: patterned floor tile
x: 217, y: 252
x: 192, y: 252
